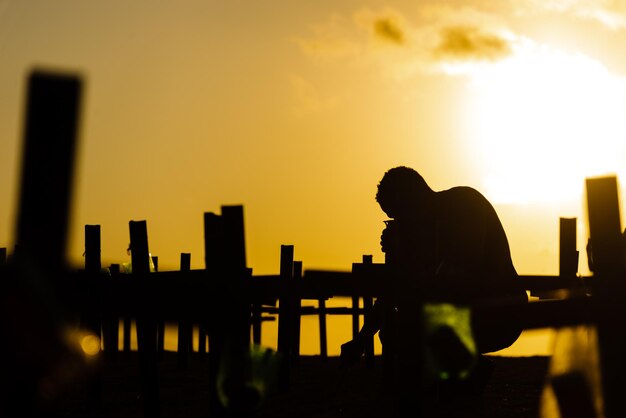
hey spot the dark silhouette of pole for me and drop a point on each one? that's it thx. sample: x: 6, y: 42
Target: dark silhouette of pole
x: 51, y: 125
x: 285, y: 315
x: 608, y: 256
x: 368, y: 304
x: 51, y: 128
x: 228, y: 313
x: 3, y: 257
x: 146, y: 323
x: 568, y: 255
x: 184, y: 324
x: 160, y: 321
x: 91, y: 318
x: 322, y: 326
x: 297, y: 314
x: 114, y: 337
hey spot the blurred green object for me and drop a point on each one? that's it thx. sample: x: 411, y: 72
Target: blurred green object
x: 245, y: 379
x: 450, y: 350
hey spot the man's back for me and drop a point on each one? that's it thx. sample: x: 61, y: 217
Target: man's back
x: 470, y: 236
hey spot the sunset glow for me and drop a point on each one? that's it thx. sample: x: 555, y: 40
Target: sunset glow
x: 295, y: 110
x: 543, y: 120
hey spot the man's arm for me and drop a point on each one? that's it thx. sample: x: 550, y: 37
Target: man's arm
x: 352, y: 351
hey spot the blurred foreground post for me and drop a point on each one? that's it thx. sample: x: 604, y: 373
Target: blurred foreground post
x: 50, y: 131
x: 31, y: 320
x: 608, y: 256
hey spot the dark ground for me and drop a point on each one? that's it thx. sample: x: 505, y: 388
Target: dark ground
x: 318, y: 389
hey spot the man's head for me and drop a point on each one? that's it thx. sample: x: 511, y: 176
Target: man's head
x: 402, y: 192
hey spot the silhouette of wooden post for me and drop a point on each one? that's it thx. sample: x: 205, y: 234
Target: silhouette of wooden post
x: 160, y: 321
x: 114, y: 337
x: 321, y: 311
x: 92, y: 249
x: 610, y: 292
x: 3, y: 257
x: 91, y: 319
x: 126, y: 321
x: 228, y: 321
x: 355, y: 316
x: 297, y: 313
x: 146, y: 322
x: 184, y: 325
x: 285, y: 313
x: 256, y: 323
x: 213, y: 260
x: 92, y: 268
x: 568, y: 255
x: 368, y: 304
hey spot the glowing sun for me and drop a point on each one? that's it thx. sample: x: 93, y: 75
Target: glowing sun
x: 542, y: 120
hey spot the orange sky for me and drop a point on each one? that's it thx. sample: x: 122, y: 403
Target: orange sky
x: 297, y: 110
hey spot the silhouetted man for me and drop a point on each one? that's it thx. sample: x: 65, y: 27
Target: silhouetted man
x: 449, y: 245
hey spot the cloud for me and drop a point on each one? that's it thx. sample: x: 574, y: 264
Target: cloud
x: 389, y: 30
x: 609, y: 13
x: 308, y: 99
x: 330, y: 40
x: 470, y: 43
x: 401, y: 46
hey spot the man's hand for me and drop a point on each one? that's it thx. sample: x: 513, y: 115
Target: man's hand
x: 388, y: 237
x: 351, y: 352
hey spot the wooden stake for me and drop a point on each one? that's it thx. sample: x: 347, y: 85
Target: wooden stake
x: 146, y: 323
x: 285, y: 315
x: 568, y: 255
x: 608, y: 256
x: 184, y: 325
